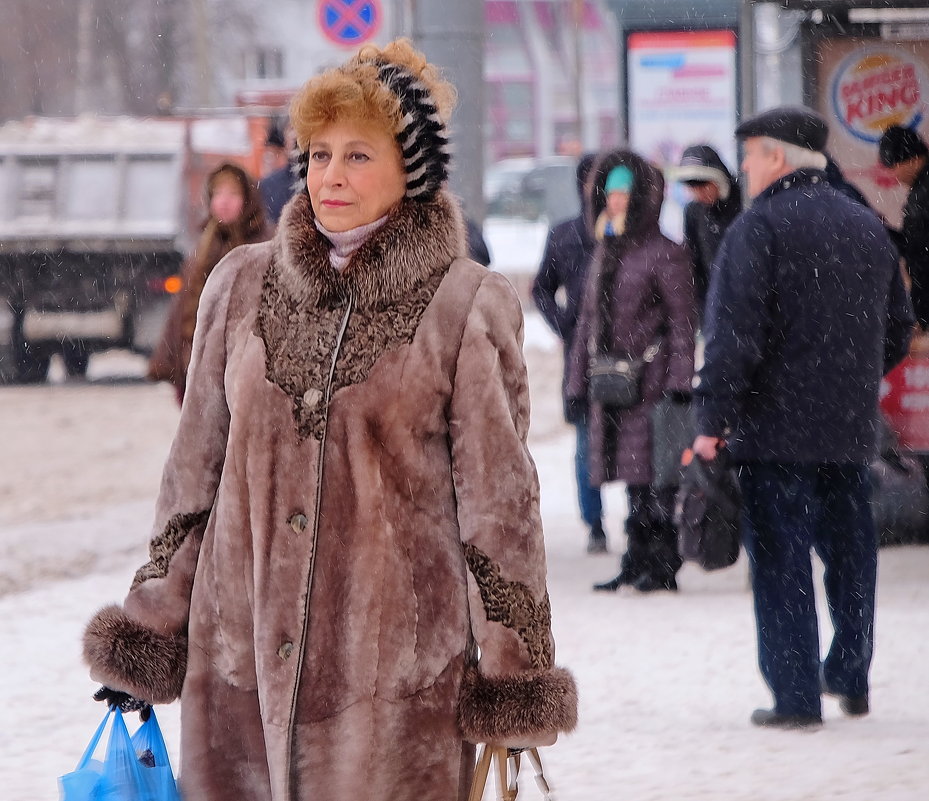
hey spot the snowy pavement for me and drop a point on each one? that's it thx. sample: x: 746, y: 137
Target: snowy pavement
x: 666, y: 681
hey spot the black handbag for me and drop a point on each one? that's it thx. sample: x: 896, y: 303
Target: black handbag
x: 617, y: 380
x: 613, y: 380
x: 707, y: 512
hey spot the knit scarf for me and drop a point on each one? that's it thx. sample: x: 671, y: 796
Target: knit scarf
x: 345, y: 243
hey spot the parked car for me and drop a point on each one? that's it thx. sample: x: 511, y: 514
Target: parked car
x: 532, y: 189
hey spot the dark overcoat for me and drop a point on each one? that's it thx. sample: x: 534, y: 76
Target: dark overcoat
x: 914, y: 244
x: 651, y: 298
x: 806, y: 311
x: 348, y: 515
x: 569, y: 248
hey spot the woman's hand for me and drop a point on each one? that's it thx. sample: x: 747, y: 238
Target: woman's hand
x: 532, y: 741
x: 124, y: 701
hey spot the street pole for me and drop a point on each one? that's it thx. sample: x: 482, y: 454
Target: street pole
x: 578, y: 15
x: 451, y: 34
x: 85, y: 24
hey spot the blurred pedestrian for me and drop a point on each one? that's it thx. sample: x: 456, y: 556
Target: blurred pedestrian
x: 347, y: 577
x: 477, y: 247
x: 235, y: 217
x: 837, y: 180
x: 279, y: 184
x: 905, y: 153
x: 638, y: 300
x: 715, y: 202
x: 806, y: 311
x: 558, y: 291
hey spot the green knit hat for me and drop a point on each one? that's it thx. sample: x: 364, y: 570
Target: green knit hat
x: 619, y: 179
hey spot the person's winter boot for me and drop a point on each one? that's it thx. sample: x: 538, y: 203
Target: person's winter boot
x: 596, y: 542
x: 651, y: 583
x: 630, y: 570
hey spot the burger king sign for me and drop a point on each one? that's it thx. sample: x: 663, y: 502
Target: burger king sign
x: 878, y: 87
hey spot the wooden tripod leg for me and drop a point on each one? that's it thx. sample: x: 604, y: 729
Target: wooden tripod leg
x: 481, y: 769
x: 508, y: 785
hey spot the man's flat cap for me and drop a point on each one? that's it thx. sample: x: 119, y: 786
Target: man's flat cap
x: 794, y: 125
x: 898, y: 144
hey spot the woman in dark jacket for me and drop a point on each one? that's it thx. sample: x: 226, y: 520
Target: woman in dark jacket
x: 236, y: 217
x: 639, y: 292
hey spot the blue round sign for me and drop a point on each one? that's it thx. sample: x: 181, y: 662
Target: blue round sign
x: 349, y: 22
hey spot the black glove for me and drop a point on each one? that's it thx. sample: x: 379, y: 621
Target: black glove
x: 575, y: 410
x: 677, y: 396
x: 125, y: 702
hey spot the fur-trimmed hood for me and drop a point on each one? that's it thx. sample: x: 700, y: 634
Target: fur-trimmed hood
x: 645, y: 199
x: 384, y: 269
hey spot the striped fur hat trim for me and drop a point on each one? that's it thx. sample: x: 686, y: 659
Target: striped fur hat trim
x: 422, y: 138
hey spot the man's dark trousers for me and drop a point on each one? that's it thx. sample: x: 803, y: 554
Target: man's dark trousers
x: 787, y: 509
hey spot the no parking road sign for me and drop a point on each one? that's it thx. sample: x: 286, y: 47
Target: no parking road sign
x: 349, y: 22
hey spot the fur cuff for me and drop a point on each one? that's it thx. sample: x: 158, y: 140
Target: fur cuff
x: 530, y: 705
x: 127, y: 656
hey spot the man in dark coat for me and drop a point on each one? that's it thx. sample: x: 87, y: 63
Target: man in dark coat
x: 716, y: 202
x: 568, y: 250
x: 800, y: 326
x: 279, y: 185
x: 906, y: 154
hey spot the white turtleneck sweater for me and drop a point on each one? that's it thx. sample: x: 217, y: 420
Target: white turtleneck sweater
x: 345, y: 243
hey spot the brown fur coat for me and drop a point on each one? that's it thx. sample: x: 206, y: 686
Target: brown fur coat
x: 348, y: 512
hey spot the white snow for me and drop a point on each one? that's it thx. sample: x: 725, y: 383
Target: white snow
x: 667, y: 682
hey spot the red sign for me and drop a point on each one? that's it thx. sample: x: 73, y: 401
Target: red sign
x: 875, y: 88
x: 905, y: 402
x: 349, y: 22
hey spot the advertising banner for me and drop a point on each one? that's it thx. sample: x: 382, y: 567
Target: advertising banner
x: 863, y: 87
x: 682, y: 92
x: 905, y: 402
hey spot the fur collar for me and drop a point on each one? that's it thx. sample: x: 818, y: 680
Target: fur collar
x: 417, y: 240
x: 645, y: 199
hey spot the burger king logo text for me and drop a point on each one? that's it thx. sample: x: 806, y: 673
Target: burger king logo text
x: 874, y: 89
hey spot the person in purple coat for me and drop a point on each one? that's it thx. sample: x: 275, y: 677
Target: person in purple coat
x: 639, y: 294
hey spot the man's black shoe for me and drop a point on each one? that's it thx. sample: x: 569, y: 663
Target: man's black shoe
x: 770, y: 719
x: 648, y: 583
x: 624, y: 577
x: 854, y: 706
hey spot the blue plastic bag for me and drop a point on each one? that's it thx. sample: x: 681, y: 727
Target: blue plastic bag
x: 124, y: 774
x: 152, y: 754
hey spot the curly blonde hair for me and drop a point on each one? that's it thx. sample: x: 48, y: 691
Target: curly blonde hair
x: 353, y: 92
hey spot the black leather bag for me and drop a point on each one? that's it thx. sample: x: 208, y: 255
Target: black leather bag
x: 707, y: 512
x: 617, y: 380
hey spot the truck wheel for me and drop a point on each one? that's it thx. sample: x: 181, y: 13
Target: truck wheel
x: 75, y: 359
x: 31, y: 368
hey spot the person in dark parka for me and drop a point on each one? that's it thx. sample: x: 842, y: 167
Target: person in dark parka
x: 800, y: 325
x: 639, y: 292
x: 568, y: 250
x: 716, y: 202
x: 906, y: 154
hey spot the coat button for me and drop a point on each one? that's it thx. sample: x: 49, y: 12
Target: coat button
x: 285, y: 650
x: 299, y: 523
x: 311, y: 397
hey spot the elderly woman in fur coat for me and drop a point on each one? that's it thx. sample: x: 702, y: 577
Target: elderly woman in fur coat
x: 347, y: 577
x: 639, y: 293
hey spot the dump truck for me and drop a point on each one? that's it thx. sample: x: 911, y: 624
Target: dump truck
x: 96, y: 215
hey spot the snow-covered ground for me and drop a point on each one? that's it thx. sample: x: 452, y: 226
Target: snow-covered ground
x: 667, y: 681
